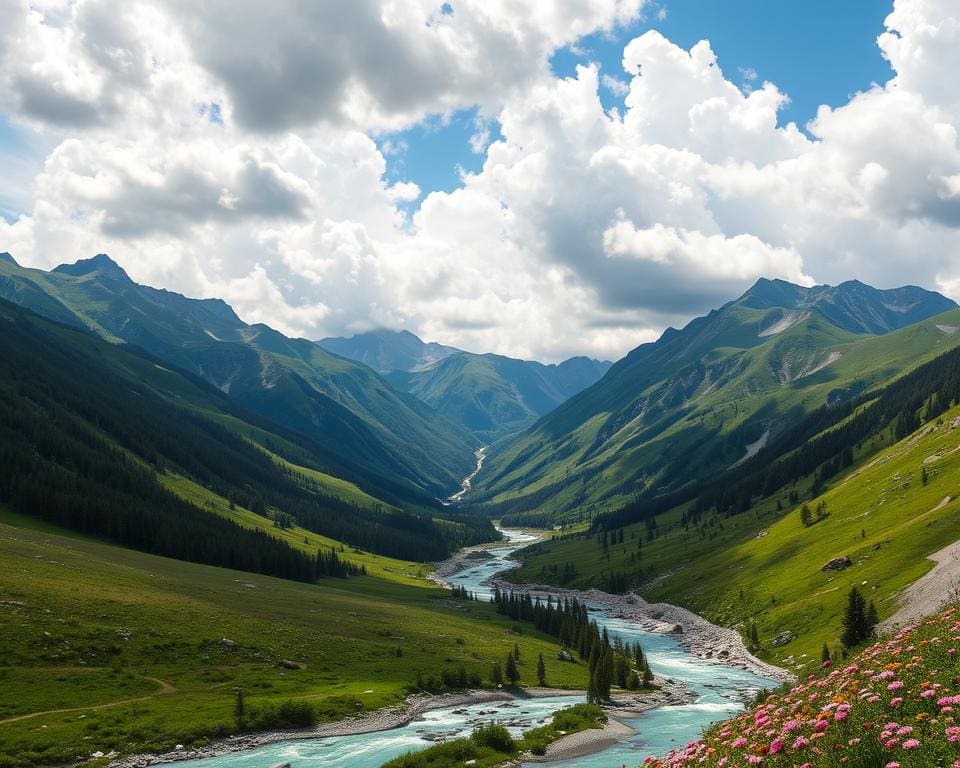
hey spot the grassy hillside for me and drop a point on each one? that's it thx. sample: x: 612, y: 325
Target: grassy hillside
x: 89, y: 427
x: 699, y: 401
x: 106, y: 649
x: 764, y: 566
x: 891, y: 705
x: 346, y: 408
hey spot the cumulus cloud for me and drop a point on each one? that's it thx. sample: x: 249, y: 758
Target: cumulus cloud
x: 228, y: 150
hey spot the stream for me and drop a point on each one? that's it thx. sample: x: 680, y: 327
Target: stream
x: 720, y: 690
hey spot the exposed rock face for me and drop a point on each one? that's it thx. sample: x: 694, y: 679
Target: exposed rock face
x: 837, y: 564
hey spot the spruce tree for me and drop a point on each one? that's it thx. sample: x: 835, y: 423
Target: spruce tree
x: 854, y: 620
x: 513, y: 674
x: 239, y: 709
x: 541, y: 670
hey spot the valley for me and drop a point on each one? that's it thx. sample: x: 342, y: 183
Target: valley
x: 333, y: 598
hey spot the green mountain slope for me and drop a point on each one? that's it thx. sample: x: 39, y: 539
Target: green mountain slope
x: 388, y: 351
x: 880, y: 483
x: 489, y: 395
x: 493, y: 396
x: 702, y: 399
x: 344, y: 406
x: 93, y: 432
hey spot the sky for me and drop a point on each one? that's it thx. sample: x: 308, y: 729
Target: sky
x: 535, y: 179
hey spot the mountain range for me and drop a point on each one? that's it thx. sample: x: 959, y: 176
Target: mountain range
x: 344, y: 406
x: 701, y: 399
x: 491, y: 396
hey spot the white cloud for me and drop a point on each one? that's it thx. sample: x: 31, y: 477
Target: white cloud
x: 228, y: 153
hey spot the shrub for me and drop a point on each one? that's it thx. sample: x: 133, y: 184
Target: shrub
x: 288, y: 714
x: 494, y: 736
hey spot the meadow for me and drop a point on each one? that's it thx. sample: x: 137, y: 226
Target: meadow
x: 108, y: 650
x: 894, y: 704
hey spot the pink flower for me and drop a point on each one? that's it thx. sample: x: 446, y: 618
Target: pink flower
x: 911, y: 744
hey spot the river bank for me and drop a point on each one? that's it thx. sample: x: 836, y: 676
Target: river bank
x: 384, y: 719
x: 695, y: 634
x: 668, y: 692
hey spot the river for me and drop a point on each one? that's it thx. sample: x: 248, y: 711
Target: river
x: 720, y: 691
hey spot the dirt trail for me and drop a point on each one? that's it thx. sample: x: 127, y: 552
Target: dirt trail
x: 931, y: 592
x: 165, y: 688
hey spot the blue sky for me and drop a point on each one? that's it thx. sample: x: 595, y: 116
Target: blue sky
x: 817, y: 52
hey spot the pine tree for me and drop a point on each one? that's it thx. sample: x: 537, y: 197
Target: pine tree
x: 239, y: 709
x: 647, y: 677
x: 825, y: 653
x: 754, y: 636
x: 855, y: 629
x: 541, y: 670
x: 516, y: 651
x: 513, y: 674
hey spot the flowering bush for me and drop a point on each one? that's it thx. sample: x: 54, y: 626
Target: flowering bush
x: 895, y: 705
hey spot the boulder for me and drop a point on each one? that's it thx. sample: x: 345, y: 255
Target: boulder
x: 837, y: 564
x: 783, y: 638
x: 287, y: 664
x: 677, y: 629
x: 564, y: 655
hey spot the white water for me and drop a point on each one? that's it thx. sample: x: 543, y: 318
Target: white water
x: 720, y: 693
x: 481, y: 454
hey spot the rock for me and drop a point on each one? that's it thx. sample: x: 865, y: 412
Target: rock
x: 565, y: 656
x: 178, y: 747
x: 837, y: 564
x: 287, y: 664
x: 783, y: 638
x: 226, y: 642
x: 470, y: 762
x: 677, y: 629
x: 98, y: 753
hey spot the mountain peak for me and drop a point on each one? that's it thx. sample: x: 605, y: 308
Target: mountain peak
x: 386, y: 351
x: 5, y: 256
x: 101, y: 264
x: 766, y: 293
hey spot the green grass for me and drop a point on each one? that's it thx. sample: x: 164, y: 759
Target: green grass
x: 764, y: 566
x: 641, y: 427
x: 110, y: 649
x: 386, y: 568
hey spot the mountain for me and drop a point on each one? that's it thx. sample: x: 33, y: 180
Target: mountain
x: 854, y: 495
x: 701, y: 399
x: 345, y: 407
x: 388, y: 351
x: 106, y: 440
x: 489, y: 395
x: 493, y: 396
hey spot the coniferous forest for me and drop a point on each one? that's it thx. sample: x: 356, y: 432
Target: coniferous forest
x: 81, y: 447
